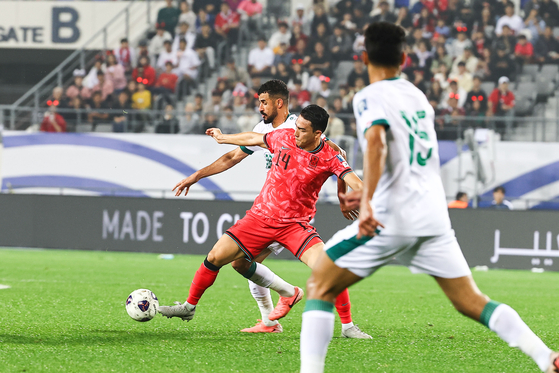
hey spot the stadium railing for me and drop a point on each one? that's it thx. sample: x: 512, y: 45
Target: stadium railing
x: 540, y: 129
x: 134, y: 19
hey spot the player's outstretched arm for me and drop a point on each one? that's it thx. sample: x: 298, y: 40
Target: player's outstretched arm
x: 241, y: 139
x: 224, y: 163
x: 374, y: 161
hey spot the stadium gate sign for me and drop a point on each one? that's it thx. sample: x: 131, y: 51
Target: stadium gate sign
x: 496, y: 239
x: 67, y: 25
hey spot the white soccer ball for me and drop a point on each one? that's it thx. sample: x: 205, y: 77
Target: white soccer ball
x: 142, y: 305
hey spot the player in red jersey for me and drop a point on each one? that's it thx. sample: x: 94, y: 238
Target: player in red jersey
x: 282, y: 211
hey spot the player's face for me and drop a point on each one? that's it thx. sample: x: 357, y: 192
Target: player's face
x: 304, y: 134
x: 268, y: 108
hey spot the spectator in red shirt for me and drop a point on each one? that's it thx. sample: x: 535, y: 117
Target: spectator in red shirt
x: 299, y: 95
x: 251, y: 10
x: 501, y: 100
x: 227, y: 24
x: 524, y: 51
x: 167, y: 81
x: 53, y: 122
x: 145, y: 72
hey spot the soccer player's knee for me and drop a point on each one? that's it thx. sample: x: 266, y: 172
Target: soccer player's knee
x: 213, y: 258
x: 316, y: 289
x: 241, y: 265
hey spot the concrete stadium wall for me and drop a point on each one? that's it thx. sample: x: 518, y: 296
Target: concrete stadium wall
x: 497, y: 239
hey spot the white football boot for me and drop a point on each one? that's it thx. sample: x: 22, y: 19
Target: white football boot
x: 185, y: 311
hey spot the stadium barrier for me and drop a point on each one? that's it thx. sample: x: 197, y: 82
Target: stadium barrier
x: 496, y: 239
x: 149, y: 165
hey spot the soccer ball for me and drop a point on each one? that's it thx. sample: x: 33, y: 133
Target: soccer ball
x: 142, y: 305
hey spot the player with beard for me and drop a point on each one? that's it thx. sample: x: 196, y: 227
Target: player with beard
x: 282, y: 211
x: 274, y: 108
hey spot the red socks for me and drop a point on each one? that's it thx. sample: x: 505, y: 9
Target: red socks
x: 343, y: 306
x: 203, y: 279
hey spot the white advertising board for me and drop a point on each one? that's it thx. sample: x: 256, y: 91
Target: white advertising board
x: 70, y: 24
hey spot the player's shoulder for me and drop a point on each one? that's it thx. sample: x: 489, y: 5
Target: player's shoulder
x: 289, y: 122
x: 326, y: 152
x: 262, y: 127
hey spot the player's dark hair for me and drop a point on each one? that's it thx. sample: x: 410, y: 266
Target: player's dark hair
x: 384, y: 43
x: 460, y: 195
x: 275, y: 88
x: 317, y: 116
x: 499, y: 189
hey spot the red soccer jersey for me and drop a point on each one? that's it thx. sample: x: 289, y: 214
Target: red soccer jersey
x: 296, y: 177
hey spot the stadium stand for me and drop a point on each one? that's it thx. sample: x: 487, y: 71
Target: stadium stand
x: 202, y: 41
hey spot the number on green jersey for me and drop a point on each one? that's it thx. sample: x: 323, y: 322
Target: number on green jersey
x: 413, y: 122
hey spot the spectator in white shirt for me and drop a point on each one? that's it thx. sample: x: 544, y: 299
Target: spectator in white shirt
x: 187, y: 16
x: 187, y: 69
x: 512, y: 20
x: 459, y: 44
x: 91, y: 80
x: 125, y: 55
x: 464, y: 78
x: 283, y: 35
x: 185, y: 34
x: 156, y: 43
x: 469, y: 59
x: 300, y: 19
x: 260, y: 59
x: 167, y: 54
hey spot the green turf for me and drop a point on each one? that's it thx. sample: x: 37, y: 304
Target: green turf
x: 65, y: 312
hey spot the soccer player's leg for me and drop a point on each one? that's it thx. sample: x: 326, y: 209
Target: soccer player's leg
x: 261, y: 279
x: 323, y: 287
x: 224, y: 252
x: 342, y: 302
x: 500, y: 318
x: 442, y: 258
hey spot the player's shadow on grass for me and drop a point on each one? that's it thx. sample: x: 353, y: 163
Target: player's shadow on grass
x: 117, y: 337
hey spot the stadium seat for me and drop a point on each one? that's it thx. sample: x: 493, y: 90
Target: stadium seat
x: 343, y: 71
x: 525, y: 78
x: 531, y: 70
x: 549, y: 72
x: 104, y: 127
x: 544, y: 86
x: 83, y: 127
x: 526, y: 88
x: 488, y: 87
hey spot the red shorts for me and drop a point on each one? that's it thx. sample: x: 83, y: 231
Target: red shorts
x: 254, y: 233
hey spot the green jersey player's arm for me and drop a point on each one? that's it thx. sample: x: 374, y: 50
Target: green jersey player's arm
x: 241, y: 139
x: 223, y: 163
x: 374, y: 161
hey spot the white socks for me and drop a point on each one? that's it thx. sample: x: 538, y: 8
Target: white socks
x: 264, y: 277
x: 510, y: 328
x: 264, y: 300
x: 347, y: 326
x: 316, y: 333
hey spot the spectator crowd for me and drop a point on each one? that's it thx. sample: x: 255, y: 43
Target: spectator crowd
x: 453, y: 51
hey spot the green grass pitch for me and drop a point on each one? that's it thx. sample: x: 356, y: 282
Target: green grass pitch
x: 65, y: 312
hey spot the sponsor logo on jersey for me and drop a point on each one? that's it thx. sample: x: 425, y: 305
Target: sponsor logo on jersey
x: 361, y: 106
x: 341, y: 159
